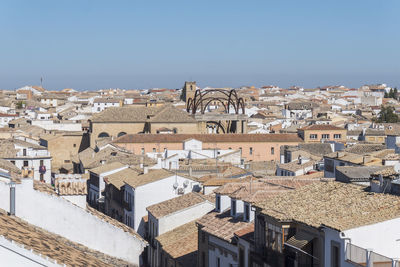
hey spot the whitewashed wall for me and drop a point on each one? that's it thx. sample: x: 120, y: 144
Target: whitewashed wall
x: 15, y: 255
x: 156, y: 192
x: 61, y: 217
x: 174, y: 220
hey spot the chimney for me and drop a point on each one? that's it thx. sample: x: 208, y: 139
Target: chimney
x: 145, y: 170
x: 366, y: 159
x: 141, y: 163
x: 190, y: 171
x: 12, y: 198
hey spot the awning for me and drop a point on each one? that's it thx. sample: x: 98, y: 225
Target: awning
x: 299, y: 240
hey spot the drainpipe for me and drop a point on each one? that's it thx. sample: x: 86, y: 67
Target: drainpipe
x: 12, y: 198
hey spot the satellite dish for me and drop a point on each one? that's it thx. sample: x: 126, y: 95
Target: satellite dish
x: 396, y: 167
x: 175, y: 185
x: 185, y: 183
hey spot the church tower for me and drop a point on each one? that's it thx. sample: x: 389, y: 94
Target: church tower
x: 188, y: 91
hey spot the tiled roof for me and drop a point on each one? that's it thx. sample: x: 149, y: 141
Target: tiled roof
x: 91, y: 159
x: 355, y: 158
x: 374, y: 132
x: 117, y: 179
x: 71, y: 186
x: 44, y: 187
x: 125, y: 114
x: 53, y: 246
x: 176, y: 204
x: 295, y: 166
x: 181, y: 244
x: 339, y: 206
x: 172, y: 114
x: 324, y: 127
x: 107, y: 167
x: 179, y: 138
x: 365, y: 148
x: 222, y: 225
x: 163, y: 114
x: 151, y: 176
x: 387, y: 172
x: 361, y: 172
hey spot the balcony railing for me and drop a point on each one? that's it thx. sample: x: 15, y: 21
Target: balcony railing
x: 29, y: 154
x: 358, y: 256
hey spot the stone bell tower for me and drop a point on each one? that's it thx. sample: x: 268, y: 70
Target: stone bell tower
x: 188, y: 91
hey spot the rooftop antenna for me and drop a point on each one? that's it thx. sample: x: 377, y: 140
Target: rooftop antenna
x: 41, y: 82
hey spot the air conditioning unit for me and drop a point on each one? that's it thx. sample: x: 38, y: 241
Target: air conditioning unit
x: 181, y: 191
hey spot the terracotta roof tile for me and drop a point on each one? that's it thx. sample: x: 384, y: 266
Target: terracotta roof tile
x: 340, y: 206
x: 179, y: 138
x: 176, y: 204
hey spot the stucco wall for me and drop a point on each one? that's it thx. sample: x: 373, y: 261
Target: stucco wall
x: 179, y: 218
x: 153, y: 193
x: 61, y: 217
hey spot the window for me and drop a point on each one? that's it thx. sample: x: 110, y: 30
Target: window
x: 325, y: 136
x: 218, y: 262
x: 233, y: 207
x: 218, y: 202
x: 26, y: 163
x: 272, y: 150
x: 251, y: 151
x: 41, y: 162
x: 337, y: 136
x: 24, y: 152
x: 74, y: 145
x: 13, y: 162
x: 142, y: 150
x: 154, y: 150
x: 241, y: 257
x: 329, y: 165
x: 313, y: 136
x: 247, y: 212
x: 335, y: 254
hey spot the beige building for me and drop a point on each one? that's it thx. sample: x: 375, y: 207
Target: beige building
x: 63, y: 146
x: 253, y: 147
x: 319, y: 132
x: 116, y: 122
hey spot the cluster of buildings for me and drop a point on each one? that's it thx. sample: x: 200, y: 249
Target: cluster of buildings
x: 211, y: 177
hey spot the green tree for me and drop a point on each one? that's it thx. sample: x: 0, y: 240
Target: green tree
x: 20, y: 104
x: 387, y: 115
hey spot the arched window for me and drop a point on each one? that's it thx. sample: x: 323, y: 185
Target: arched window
x: 121, y: 134
x: 103, y: 134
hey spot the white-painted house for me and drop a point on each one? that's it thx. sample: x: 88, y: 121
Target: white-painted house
x: 170, y: 214
x: 32, y: 159
x: 193, y: 149
x: 59, y: 216
x: 146, y: 189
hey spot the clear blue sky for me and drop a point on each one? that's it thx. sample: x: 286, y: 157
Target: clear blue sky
x: 148, y: 43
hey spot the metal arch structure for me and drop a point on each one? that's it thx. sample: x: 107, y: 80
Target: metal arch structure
x: 201, y: 100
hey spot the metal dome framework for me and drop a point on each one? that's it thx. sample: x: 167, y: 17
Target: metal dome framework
x: 228, y: 99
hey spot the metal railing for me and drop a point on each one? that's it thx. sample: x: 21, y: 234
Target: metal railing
x: 377, y: 260
x: 356, y: 255
x: 363, y: 257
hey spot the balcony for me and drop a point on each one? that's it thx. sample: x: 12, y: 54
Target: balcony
x: 358, y: 256
x: 127, y: 206
x: 33, y: 154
